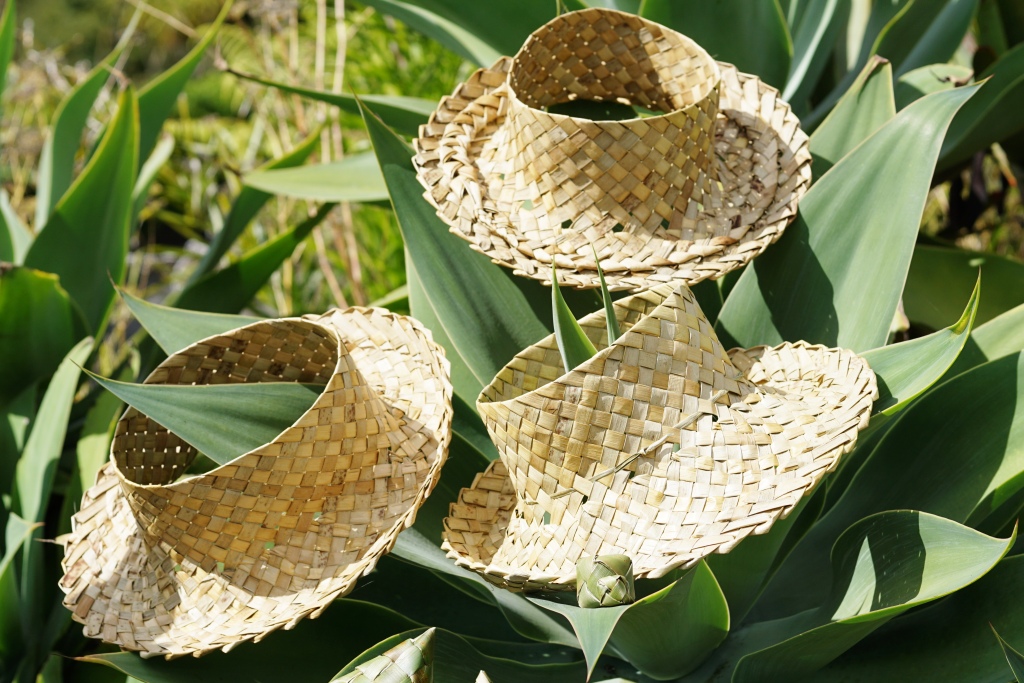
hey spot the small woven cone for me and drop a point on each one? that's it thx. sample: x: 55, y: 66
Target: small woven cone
x: 690, y: 193
x: 172, y: 567
x: 605, y: 581
x: 411, y: 661
x: 662, y: 447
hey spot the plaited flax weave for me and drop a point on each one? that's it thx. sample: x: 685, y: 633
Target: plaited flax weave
x: 691, y: 192
x: 662, y: 447
x: 172, y: 566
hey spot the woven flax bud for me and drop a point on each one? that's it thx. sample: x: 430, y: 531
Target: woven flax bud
x: 605, y: 581
x: 411, y: 661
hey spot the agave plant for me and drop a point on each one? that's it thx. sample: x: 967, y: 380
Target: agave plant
x: 899, y: 565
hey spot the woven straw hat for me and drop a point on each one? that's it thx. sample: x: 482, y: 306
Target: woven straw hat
x: 663, y: 446
x: 688, y: 194
x: 172, y: 567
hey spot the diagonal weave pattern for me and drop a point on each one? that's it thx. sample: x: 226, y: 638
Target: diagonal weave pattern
x: 662, y: 447
x: 684, y: 196
x: 172, y: 567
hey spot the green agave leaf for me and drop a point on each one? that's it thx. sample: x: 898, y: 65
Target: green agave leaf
x: 753, y: 36
x: 861, y: 111
x: 64, y: 138
x: 15, y: 419
x: 404, y: 114
x: 574, y: 345
x: 17, y: 533
x: 8, y: 27
x: 949, y: 642
x: 925, y: 80
x: 15, y: 238
x: 157, y: 98
x: 316, y: 648
x: 814, y: 38
x: 484, y: 314
x: 999, y: 337
x: 223, y: 421
x: 231, y: 288
x: 147, y: 174
x: 247, y: 205
x: 669, y: 633
x: 526, y: 618
x: 906, y: 370
x: 356, y: 178
x: 85, y: 239
x: 957, y: 451
x: 37, y: 466
x: 593, y: 627
x: 1012, y: 15
x: 988, y: 118
x: 93, y: 447
x: 1013, y: 657
x: 882, y: 566
x: 612, y: 322
x: 397, y: 300
x: 462, y: 42
x: 38, y: 326
x: 836, y: 275
x: 175, y: 328
x: 939, y: 274
x: 457, y: 660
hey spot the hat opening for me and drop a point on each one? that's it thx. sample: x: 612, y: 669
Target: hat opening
x: 288, y: 350
x: 608, y: 55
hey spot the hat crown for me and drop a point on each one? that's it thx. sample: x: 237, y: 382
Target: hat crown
x: 643, y: 172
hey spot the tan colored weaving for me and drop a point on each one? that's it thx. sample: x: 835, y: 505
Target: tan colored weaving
x: 662, y: 447
x: 172, y: 567
x: 686, y: 195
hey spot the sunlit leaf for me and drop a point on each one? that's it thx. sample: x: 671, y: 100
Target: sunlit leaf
x: 836, y: 275
x: 924, y: 80
x: 356, y: 178
x: 15, y: 237
x: 175, y: 328
x: 573, y: 343
x: 459, y: 40
x: 222, y: 421
x: 140, y: 193
x: 999, y: 337
x: 814, y: 38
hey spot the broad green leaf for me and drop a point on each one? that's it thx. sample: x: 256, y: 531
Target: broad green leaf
x: 988, y: 119
x: 404, y: 114
x: 836, y: 275
x: 316, y: 648
x: 525, y: 617
x: 939, y: 277
x: 8, y: 29
x: 998, y: 337
x: 175, y: 328
x: 865, y: 108
x: 593, y: 627
x: 93, y: 447
x: 882, y: 566
x: 247, y: 204
x: 140, y: 193
x: 904, y: 371
x: 927, y: 32
x: 85, y: 239
x: 38, y: 326
x: 574, y: 345
x: 16, y: 533
x: 64, y: 138
x: 157, y: 98
x: 15, y: 238
x: 957, y: 451
x: 487, y: 318
x: 356, y: 178
x: 949, y: 642
x: 1013, y: 657
x: 753, y: 36
x: 15, y: 419
x: 989, y: 30
x: 223, y: 421
x: 231, y: 288
x: 924, y: 80
x: 458, y: 660
x: 669, y: 633
x: 502, y: 26
x: 814, y: 38
x: 459, y: 40
x: 37, y: 466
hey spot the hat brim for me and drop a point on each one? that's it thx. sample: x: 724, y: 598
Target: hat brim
x: 143, y: 596
x: 735, y: 473
x: 762, y: 161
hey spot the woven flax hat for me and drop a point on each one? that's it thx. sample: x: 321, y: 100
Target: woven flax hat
x: 663, y: 446
x: 172, y: 567
x: 690, y: 193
